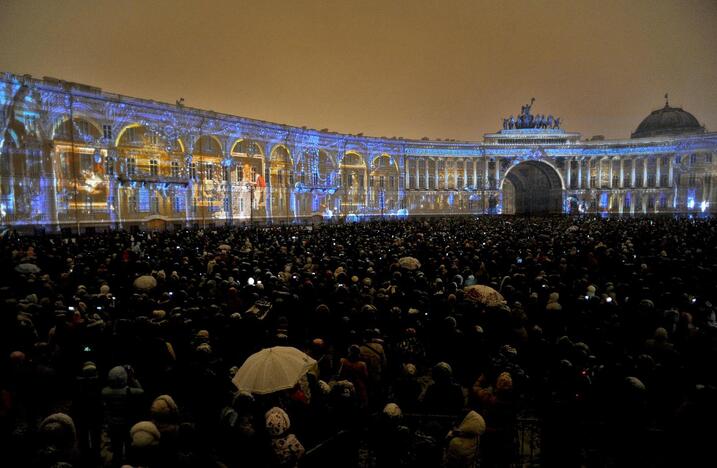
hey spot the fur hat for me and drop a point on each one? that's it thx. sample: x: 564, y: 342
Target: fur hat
x: 89, y: 369
x: 59, y: 430
x: 144, y: 434
x: 392, y: 411
x: 277, y: 421
x: 163, y: 407
x: 504, y: 382
x: 117, y: 377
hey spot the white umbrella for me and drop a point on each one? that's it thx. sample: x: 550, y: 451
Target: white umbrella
x: 27, y: 268
x: 272, y: 369
x: 409, y: 263
x: 483, y: 294
x: 145, y: 282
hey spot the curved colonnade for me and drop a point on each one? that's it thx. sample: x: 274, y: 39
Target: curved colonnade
x: 73, y: 156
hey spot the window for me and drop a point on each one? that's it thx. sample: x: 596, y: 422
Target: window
x: 132, y: 203
x: 110, y: 166
x: 253, y: 174
x: 131, y: 166
x: 151, y: 138
x: 153, y: 167
x: 193, y: 171
x: 692, y: 180
x: 627, y: 201
x: 360, y: 180
x: 209, y: 171
x: 315, y: 178
x: 708, y: 158
x: 175, y: 169
x: 650, y: 180
x: 240, y: 173
x: 178, y: 203
x: 693, y: 158
x: 107, y: 132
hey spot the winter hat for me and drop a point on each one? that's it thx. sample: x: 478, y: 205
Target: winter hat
x: 277, y: 421
x: 661, y: 334
x: 163, y: 407
x: 392, y: 411
x: 504, y: 382
x: 59, y: 430
x: 89, y: 369
x: 104, y: 289
x: 442, y: 369
x: 144, y: 434
x: 117, y: 377
x: 324, y: 387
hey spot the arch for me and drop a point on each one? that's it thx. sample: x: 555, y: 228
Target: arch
x: 352, y: 154
x: 533, y: 187
x: 243, y: 143
x: 75, y: 117
x: 392, y: 161
x: 213, y: 138
x: 274, y: 151
x: 121, y: 133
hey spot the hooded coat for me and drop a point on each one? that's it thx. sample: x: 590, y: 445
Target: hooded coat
x: 463, y: 441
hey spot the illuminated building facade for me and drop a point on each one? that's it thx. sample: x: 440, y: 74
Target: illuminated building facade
x: 74, y: 156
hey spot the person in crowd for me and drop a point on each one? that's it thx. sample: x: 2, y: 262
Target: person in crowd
x: 602, y: 323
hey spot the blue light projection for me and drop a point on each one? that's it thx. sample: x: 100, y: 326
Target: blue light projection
x: 70, y: 185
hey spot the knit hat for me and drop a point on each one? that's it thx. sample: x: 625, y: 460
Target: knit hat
x: 504, y: 382
x: 324, y: 387
x: 144, y: 434
x: 163, y: 407
x: 277, y: 421
x: 59, y: 429
x: 89, y: 369
x: 409, y: 369
x: 117, y: 377
x: 392, y: 411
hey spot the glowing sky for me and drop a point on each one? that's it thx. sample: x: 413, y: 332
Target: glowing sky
x: 411, y: 68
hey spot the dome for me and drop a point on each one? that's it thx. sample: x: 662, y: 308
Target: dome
x: 668, y: 121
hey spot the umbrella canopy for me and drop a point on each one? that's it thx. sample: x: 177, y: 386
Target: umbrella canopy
x: 483, y: 294
x: 409, y: 263
x: 272, y: 369
x: 27, y: 268
x: 145, y: 282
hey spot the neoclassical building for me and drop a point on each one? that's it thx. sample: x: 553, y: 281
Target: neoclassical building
x: 74, y: 156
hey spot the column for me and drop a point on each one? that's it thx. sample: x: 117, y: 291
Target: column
x: 475, y: 172
x: 580, y: 173
x: 426, y: 174
x: 670, y: 171
x: 497, y: 173
x: 418, y: 179
x: 408, y: 173
x: 644, y: 172
x: 632, y: 175
x: 658, y: 161
x: 599, y: 184
x: 588, y: 169
x: 465, y: 172
x: 622, y: 173
x: 610, y: 172
x: 435, y: 173
x: 568, y: 173
x: 445, y: 173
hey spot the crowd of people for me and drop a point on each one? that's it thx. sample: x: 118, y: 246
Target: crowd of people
x: 119, y: 347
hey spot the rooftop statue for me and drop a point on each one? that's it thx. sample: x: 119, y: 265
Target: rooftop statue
x: 527, y: 120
